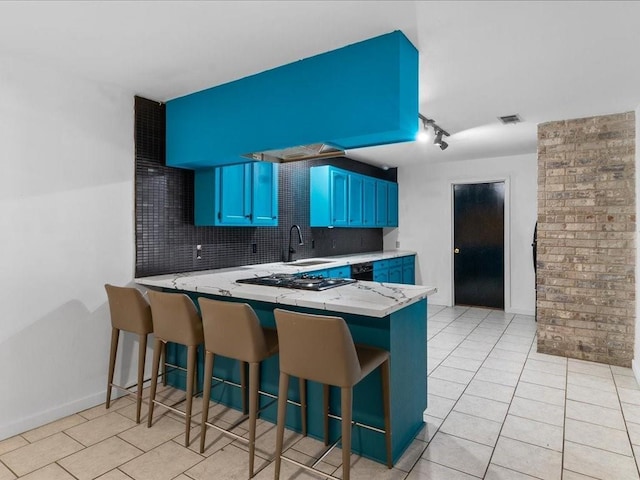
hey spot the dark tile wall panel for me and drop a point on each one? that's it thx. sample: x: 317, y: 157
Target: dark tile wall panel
x: 166, y: 238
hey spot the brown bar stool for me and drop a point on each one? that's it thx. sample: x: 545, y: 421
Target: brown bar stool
x: 175, y: 319
x: 130, y: 312
x: 320, y: 348
x: 233, y: 330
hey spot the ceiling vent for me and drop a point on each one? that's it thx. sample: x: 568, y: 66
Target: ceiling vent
x: 510, y: 119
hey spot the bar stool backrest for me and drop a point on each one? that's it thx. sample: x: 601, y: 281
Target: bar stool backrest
x: 233, y: 330
x: 175, y: 318
x: 317, y: 347
x: 129, y: 310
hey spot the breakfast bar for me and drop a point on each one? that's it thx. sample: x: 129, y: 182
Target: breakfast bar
x: 386, y: 315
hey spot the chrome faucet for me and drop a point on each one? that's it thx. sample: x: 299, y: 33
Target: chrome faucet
x: 300, y: 242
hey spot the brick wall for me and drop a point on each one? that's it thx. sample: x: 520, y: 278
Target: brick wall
x: 586, y: 238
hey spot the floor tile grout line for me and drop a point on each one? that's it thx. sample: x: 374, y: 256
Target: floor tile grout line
x: 512, y: 396
x: 624, y: 418
x: 509, y: 408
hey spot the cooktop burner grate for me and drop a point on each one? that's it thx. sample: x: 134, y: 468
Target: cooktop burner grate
x: 302, y: 282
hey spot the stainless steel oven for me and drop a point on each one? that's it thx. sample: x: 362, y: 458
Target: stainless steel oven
x: 362, y: 271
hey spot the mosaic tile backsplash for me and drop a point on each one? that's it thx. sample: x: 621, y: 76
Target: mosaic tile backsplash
x: 166, y: 238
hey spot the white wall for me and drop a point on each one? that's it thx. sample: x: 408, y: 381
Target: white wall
x: 66, y: 228
x: 425, y: 222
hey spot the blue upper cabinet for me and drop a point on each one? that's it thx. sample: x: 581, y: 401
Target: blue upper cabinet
x: 265, y: 194
x: 360, y: 95
x: 346, y: 199
x: 382, y: 192
x: 392, y: 204
x: 245, y: 194
x: 355, y: 199
x: 369, y: 202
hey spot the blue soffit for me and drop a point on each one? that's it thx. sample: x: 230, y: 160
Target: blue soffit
x: 361, y: 95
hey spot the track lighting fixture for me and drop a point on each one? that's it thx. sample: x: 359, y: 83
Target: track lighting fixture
x: 439, y: 132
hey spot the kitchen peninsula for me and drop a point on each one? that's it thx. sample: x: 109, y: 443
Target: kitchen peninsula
x: 386, y: 315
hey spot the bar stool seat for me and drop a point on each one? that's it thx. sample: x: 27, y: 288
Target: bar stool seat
x: 232, y: 329
x: 129, y: 312
x: 176, y: 320
x: 320, y: 348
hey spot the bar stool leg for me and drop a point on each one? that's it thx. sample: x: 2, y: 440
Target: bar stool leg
x: 346, y: 405
x: 115, y: 335
x: 254, y: 381
x: 164, y: 364
x: 243, y: 383
x: 157, y: 349
x: 325, y: 411
x: 303, y: 404
x: 191, y: 370
x: 283, y: 388
x: 142, y: 353
x: 386, y: 405
x: 206, y: 395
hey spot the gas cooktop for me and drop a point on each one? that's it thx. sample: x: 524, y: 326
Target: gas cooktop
x: 304, y: 281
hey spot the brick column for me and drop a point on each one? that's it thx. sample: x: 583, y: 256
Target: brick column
x: 586, y: 238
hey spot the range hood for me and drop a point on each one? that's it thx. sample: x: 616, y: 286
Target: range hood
x: 295, y: 154
x: 360, y: 95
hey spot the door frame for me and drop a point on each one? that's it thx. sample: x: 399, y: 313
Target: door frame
x: 507, y: 234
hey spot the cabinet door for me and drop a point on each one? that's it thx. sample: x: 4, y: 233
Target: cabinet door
x: 392, y: 205
x: 233, y: 194
x: 355, y: 200
x: 339, y: 207
x: 381, y: 203
x: 381, y: 271
x: 340, y: 272
x: 368, y: 202
x: 395, y: 274
x: 265, y: 193
x: 409, y: 274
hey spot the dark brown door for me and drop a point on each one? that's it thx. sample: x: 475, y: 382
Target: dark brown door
x: 479, y: 244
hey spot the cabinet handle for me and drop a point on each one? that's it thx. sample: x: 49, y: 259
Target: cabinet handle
x: 456, y: 250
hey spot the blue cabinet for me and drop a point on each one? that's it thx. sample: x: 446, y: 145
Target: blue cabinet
x: 395, y: 270
x: 409, y: 270
x: 382, y: 189
x: 245, y: 194
x: 346, y: 199
x: 381, y: 271
x: 355, y: 199
x: 392, y: 204
x: 368, y: 202
x: 336, y: 272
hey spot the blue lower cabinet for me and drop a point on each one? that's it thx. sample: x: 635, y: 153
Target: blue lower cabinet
x: 409, y: 270
x: 381, y: 271
x: 340, y: 272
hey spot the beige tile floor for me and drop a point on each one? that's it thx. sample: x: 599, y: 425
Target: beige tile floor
x: 497, y: 410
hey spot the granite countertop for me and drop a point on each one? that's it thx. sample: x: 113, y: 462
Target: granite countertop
x: 371, y: 299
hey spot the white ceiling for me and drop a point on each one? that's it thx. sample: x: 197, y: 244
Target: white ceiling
x: 478, y: 60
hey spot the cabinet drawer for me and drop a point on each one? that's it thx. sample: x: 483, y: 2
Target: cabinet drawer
x: 340, y: 272
x: 410, y: 260
x: 395, y: 262
x: 380, y: 265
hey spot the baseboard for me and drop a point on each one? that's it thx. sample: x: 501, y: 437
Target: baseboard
x: 42, y: 418
x: 519, y: 311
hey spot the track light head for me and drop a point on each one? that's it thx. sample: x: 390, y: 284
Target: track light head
x: 438, y: 139
x: 439, y: 132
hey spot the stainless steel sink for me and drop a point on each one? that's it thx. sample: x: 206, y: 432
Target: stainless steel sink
x: 308, y: 263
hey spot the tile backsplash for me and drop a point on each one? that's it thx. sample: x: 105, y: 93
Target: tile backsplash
x: 166, y: 237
